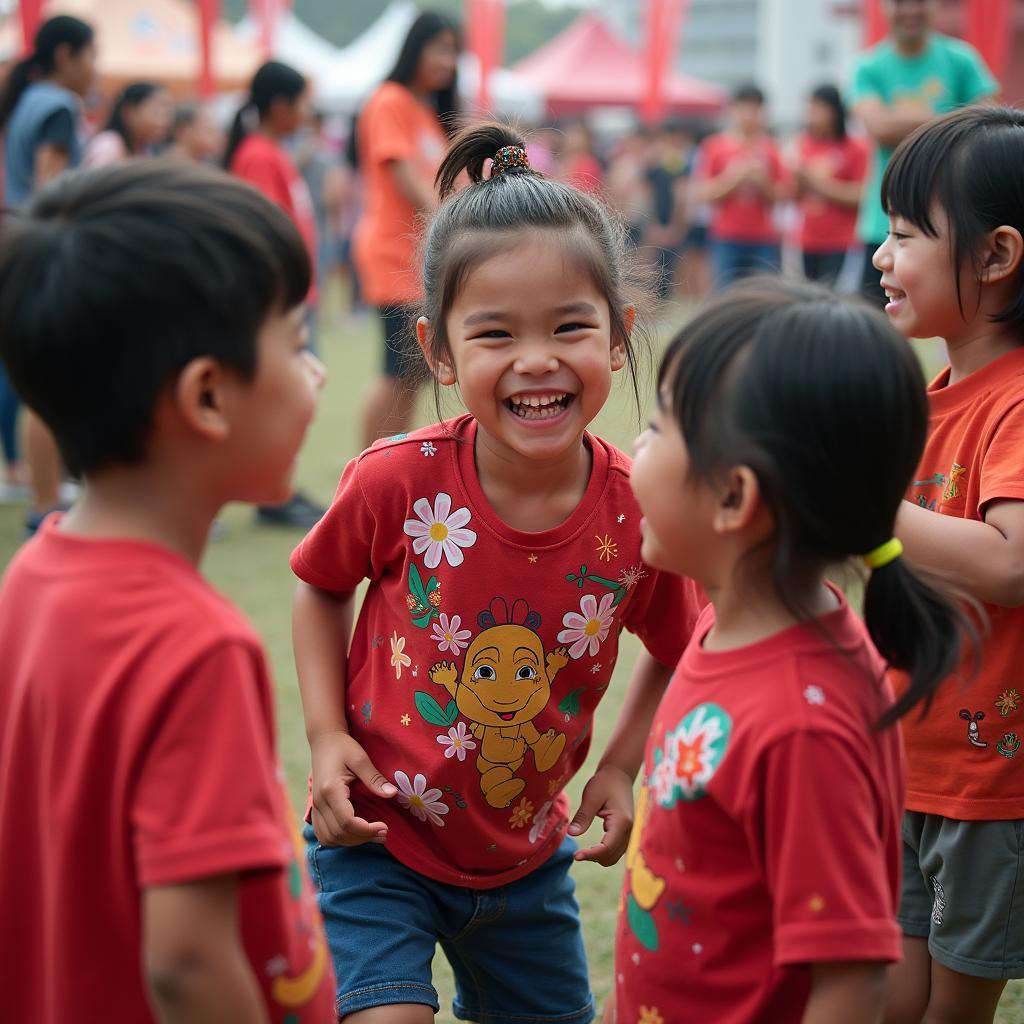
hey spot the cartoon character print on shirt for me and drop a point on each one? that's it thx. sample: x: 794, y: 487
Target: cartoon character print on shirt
x: 953, y: 484
x: 645, y: 887
x: 504, y: 685
x: 973, y: 732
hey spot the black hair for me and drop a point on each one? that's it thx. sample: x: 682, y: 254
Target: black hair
x: 114, y: 279
x: 470, y: 222
x: 748, y: 93
x: 969, y: 164
x: 427, y: 26
x: 133, y: 95
x: 52, y: 34
x: 825, y: 402
x: 272, y: 81
x: 829, y: 95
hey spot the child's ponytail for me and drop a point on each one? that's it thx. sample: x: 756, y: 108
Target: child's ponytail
x: 917, y: 629
x: 471, y: 149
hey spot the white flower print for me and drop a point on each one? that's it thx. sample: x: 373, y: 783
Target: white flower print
x: 428, y: 449
x: 662, y: 780
x: 447, y: 635
x: 424, y: 803
x: 588, y: 631
x: 814, y: 695
x: 399, y: 658
x: 457, y: 742
x: 438, y: 530
x: 540, y: 820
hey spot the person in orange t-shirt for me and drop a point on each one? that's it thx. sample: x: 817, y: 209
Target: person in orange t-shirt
x: 401, y: 137
x: 951, y: 267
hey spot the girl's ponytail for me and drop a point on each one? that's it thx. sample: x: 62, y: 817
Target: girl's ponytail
x: 240, y: 129
x: 470, y: 149
x: 917, y: 628
x: 22, y: 75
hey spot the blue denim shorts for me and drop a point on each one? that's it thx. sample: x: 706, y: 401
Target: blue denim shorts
x: 516, y: 951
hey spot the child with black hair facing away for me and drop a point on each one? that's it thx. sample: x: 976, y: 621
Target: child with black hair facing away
x: 150, y: 868
x: 763, y: 873
x: 951, y: 268
x: 503, y: 554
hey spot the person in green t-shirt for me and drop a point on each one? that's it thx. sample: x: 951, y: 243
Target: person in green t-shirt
x: 898, y: 85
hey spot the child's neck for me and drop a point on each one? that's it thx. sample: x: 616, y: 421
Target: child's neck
x: 980, y: 343
x: 133, y: 504
x: 750, y: 610
x: 529, y: 494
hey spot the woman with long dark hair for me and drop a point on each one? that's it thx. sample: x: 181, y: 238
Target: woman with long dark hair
x: 275, y: 109
x: 402, y: 134
x: 40, y: 118
x: 139, y: 122
x: 830, y: 171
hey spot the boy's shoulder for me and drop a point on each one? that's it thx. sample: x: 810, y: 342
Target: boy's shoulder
x: 401, y: 461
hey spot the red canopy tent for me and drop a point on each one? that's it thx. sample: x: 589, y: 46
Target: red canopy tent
x: 587, y: 65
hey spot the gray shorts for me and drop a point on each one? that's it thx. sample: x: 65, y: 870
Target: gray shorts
x: 963, y: 890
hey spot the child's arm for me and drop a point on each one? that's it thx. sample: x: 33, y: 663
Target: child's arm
x: 985, y: 559
x: 846, y: 993
x: 195, y: 968
x: 609, y: 793
x: 321, y: 626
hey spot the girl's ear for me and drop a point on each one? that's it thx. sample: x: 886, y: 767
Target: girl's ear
x: 740, y: 506
x: 1002, y: 255
x: 618, y: 354
x: 439, y: 367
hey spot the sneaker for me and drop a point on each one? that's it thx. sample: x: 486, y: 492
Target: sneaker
x: 298, y: 511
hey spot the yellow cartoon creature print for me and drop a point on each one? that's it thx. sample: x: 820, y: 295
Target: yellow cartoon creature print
x: 505, y: 684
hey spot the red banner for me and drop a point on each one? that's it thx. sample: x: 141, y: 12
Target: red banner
x: 665, y: 20
x: 209, y: 13
x: 31, y: 16
x: 875, y: 25
x: 265, y: 14
x: 988, y: 26
x: 485, y: 20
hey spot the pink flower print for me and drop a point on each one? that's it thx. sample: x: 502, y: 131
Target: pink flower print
x: 439, y: 531
x: 457, y: 742
x: 587, y: 631
x: 447, y: 635
x: 425, y: 804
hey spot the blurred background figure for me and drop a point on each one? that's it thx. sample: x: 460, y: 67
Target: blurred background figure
x: 402, y: 134
x: 829, y: 180
x: 41, y: 121
x: 140, y: 123
x: 276, y: 109
x: 668, y: 175
x: 628, y: 189
x: 196, y: 134
x: 742, y: 177
x: 577, y: 163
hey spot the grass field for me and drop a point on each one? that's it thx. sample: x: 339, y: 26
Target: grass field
x: 251, y: 566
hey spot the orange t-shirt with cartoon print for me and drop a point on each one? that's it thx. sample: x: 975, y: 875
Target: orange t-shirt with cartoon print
x: 394, y: 125
x: 965, y: 758
x: 482, y: 651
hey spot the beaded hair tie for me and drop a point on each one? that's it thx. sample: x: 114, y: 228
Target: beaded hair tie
x: 510, y: 158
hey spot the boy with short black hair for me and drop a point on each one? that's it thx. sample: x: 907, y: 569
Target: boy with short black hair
x: 152, y: 315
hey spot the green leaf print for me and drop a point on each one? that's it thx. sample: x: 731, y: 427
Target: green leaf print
x: 642, y: 925
x: 570, y: 706
x: 432, y: 712
x: 614, y: 586
x: 423, y: 600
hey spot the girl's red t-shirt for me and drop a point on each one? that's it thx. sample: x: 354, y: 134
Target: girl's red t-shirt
x: 767, y: 833
x: 827, y: 226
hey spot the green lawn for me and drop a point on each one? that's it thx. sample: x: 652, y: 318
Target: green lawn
x: 251, y: 566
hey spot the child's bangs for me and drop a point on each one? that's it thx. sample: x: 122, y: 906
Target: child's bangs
x: 914, y: 179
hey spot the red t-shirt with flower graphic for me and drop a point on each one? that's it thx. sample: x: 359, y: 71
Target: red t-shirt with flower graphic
x: 481, y: 651
x: 767, y: 833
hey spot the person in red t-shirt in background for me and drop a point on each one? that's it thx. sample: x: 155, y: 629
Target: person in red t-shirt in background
x: 278, y: 105
x: 829, y: 178
x: 741, y: 174
x: 150, y: 867
x: 763, y: 873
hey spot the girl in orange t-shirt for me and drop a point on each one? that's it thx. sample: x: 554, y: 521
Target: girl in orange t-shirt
x: 951, y: 267
x: 401, y: 137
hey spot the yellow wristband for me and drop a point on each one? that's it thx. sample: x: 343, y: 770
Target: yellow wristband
x: 884, y: 554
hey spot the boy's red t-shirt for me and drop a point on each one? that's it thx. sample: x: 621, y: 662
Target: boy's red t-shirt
x: 137, y: 750
x: 481, y: 651
x: 269, y: 169
x: 964, y: 759
x: 827, y: 226
x: 767, y: 833
x: 745, y: 215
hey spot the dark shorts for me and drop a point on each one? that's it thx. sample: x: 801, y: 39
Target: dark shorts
x: 963, y: 891
x: 824, y: 267
x: 870, y: 279
x: 516, y: 951
x: 732, y: 261
x: 402, y: 357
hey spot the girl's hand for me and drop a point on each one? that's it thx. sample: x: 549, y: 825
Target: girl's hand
x: 608, y: 796
x: 338, y: 761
